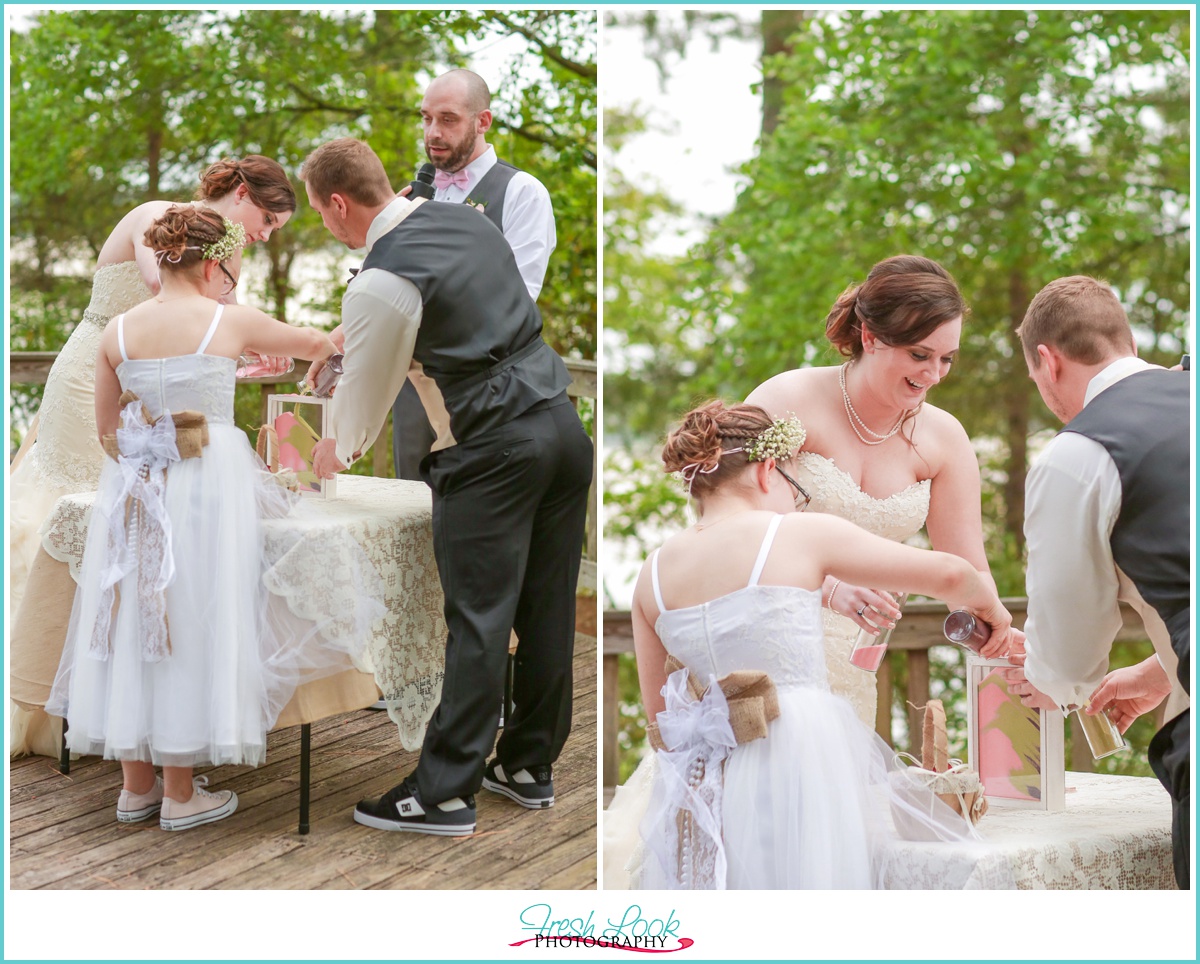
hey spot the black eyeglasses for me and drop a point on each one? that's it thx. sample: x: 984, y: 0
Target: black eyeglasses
x: 802, y: 496
x: 232, y: 279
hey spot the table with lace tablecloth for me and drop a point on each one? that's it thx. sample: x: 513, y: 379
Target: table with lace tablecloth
x: 1114, y: 834
x: 389, y: 518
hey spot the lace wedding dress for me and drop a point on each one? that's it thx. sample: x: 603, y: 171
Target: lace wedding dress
x: 66, y: 457
x: 898, y: 517
x: 177, y: 652
x: 60, y: 456
x: 807, y: 806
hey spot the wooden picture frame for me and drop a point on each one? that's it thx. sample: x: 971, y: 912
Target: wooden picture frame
x: 1017, y: 751
x: 298, y: 423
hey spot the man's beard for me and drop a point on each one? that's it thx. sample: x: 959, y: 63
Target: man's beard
x: 457, y: 158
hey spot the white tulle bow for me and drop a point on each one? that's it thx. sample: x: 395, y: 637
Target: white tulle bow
x: 687, y: 811
x: 139, y: 531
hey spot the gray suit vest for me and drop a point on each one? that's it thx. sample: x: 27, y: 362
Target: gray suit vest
x: 1142, y: 422
x: 480, y: 338
x: 491, y: 189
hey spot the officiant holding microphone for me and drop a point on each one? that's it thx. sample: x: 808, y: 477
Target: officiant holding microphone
x: 456, y: 116
x: 440, y: 298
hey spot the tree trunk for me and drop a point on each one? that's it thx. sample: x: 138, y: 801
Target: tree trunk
x: 280, y: 262
x: 1017, y: 403
x: 154, y: 143
x: 778, y: 26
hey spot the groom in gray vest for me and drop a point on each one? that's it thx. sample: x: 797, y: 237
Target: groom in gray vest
x: 456, y: 117
x: 439, y: 300
x: 1108, y: 519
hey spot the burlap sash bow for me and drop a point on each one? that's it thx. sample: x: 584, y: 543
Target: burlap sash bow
x: 751, y: 696
x: 138, y: 532
x: 693, y: 735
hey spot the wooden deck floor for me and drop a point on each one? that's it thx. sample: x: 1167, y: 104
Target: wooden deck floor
x: 65, y: 833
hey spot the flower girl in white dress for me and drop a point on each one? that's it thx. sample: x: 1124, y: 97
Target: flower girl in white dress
x: 740, y: 799
x: 177, y: 654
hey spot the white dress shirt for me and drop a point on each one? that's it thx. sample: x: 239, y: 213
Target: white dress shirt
x: 527, y: 221
x: 381, y: 314
x: 1072, y: 500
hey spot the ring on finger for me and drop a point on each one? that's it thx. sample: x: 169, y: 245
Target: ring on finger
x: 861, y: 611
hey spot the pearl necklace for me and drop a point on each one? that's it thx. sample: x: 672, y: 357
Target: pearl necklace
x: 856, y: 420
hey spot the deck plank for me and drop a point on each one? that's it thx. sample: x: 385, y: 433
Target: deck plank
x: 64, y: 834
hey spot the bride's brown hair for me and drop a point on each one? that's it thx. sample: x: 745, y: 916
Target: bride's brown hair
x: 267, y: 183
x: 705, y: 434
x: 903, y: 300
x: 181, y: 234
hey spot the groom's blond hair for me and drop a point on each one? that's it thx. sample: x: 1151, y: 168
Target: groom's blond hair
x: 1079, y: 316
x: 349, y: 167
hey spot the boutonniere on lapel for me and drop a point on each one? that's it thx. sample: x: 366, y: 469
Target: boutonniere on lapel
x: 477, y: 205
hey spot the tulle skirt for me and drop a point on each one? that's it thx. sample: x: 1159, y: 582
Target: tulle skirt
x: 237, y: 650
x: 808, y: 807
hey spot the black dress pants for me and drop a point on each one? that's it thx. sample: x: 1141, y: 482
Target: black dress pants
x: 412, y: 435
x: 1170, y: 759
x: 509, y: 511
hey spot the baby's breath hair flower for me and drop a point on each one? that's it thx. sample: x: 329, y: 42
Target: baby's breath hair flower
x: 233, y: 242
x: 780, y: 441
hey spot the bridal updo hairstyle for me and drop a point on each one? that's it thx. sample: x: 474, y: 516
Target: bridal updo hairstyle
x: 181, y: 234
x: 707, y: 432
x: 267, y: 184
x: 903, y: 300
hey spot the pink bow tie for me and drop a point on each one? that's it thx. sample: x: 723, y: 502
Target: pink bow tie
x: 443, y: 179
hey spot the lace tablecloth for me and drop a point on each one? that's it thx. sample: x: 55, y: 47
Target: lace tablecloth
x: 391, y: 520
x: 1115, y: 834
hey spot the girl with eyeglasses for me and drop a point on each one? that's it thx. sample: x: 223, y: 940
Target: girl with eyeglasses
x: 742, y: 590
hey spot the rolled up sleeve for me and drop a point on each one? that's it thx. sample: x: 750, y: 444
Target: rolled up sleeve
x: 381, y: 315
x: 1072, y: 497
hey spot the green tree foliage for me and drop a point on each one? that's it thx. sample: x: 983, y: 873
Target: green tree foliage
x: 1011, y: 146
x: 111, y: 108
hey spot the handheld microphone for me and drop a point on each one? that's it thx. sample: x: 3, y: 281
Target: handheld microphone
x: 423, y: 185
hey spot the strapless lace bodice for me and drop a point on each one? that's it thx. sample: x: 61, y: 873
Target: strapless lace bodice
x: 897, y: 517
x: 115, y: 289
x: 202, y: 383
x: 775, y: 629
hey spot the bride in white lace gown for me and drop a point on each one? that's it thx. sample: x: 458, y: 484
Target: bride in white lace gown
x: 805, y: 805
x: 177, y: 652
x: 61, y: 454
x: 877, y: 453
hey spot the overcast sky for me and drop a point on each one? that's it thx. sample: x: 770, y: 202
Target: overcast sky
x: 708, y: 114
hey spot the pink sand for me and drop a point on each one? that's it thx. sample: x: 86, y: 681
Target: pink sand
x: 868, y: 657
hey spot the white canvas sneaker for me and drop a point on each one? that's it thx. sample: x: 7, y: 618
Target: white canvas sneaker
x: 203, y: 807
x: 133, y: 807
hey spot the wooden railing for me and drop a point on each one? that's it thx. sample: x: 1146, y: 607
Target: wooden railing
x: 915, y: 635
x: 33, y: 367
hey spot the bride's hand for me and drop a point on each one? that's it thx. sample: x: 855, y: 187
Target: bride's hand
x: 871, y: 609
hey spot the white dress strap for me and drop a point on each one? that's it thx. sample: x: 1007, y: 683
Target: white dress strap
x: 654, y: 582
x: 765, y: 550
x: 212, y: 330
x: 121, y: 335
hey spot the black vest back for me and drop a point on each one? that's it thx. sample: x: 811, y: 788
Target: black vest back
x: 1143, y: 423
x: 480, y: 338
x: 491, y: 189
